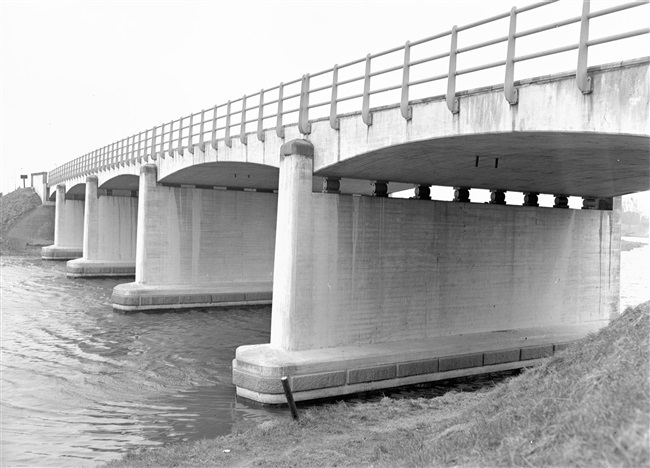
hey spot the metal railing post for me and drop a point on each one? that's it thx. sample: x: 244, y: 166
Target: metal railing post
x: 161, y: 148
x: 584, y: 81
x: 365, y: 106
x: 190, y: 146
x: 279, y: 129
x: 334, y: 121
x: 452, y: 100
x: 260, y: 117
x: 226, y: 139
x: 170, y: 151
x: 303, y: 113
x: 407, y: 111
x: 180, y: 137
x: 242, y: 125
x: 201, y: 130
x: 213, y: 139
x: 153, y: 144
x: 509, y: 90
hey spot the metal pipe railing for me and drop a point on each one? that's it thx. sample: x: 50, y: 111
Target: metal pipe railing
x: 229, y: 120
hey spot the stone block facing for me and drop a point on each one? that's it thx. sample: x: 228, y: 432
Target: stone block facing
x: 536, y: 352
x: 325, y: 373
x: 372, y: 374
x: 464, y: 361
x: 501, y: 356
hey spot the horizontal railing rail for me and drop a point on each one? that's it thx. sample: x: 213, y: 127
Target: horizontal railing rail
x: 290, y: 103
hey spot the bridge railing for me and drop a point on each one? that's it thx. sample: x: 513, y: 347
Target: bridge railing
x: 353, y: 86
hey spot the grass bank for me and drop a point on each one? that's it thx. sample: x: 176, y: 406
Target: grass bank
x: 25, y: 224
x: 586, y: 406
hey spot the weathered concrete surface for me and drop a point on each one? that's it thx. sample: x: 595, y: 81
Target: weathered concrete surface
x: 361, y: 273
x: 68, y: 228
x: 109, y: 235
x: 204, y: 240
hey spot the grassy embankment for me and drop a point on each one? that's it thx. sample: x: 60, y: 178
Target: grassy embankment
x: 586, y: 406
x: 25, y: 224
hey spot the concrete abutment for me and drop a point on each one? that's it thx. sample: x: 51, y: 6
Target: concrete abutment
x: 374, y: 292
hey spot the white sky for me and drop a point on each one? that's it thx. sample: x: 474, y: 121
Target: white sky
x: 77, y: 75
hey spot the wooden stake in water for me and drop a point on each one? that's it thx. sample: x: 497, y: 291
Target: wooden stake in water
x: 287, y: 393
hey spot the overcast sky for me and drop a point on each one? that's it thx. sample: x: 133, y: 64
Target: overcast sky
x: 77, y: 75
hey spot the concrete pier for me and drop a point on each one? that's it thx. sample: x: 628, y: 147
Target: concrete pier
x: 200, y: 248
x: 374, y: 292
x: 109, y: 234
x: 68, y: 228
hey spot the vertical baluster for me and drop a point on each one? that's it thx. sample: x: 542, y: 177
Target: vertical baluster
x: 584, y: 81
x: 213, y: 138
x: 161, y: 148
x: 201, y: 129
x: 509, y: 90
x: 170, y: 150
x: 279, y: 129
x: 190, y: 146
x: 334, y: 121
x: 365, y: 107
x: 242, y: 126
x: 145, y: 146
x: 153, y: 144
x: 260, y: 117
x: 303, y: 111
x: 407, y: 111
x: 452, y: 100
x: 139, y: 156
x: 227, y: 137
x: 180, y: 150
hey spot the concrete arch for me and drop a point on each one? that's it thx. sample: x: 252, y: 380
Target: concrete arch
x: 76, y: 191
x: 128, y: 182
x: 228, y: 174
x: 575, y: 163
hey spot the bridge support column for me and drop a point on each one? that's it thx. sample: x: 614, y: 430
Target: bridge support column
x: 68, y: 228
x: 361, y: 303
x: 109, y: 235
x: 199, y: 248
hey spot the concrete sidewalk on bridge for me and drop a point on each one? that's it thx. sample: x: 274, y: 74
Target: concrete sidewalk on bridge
x: 136, y: 297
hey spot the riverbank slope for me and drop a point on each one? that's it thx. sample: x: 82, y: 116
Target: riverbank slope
x: 25, y: 223
x: 586, y: 406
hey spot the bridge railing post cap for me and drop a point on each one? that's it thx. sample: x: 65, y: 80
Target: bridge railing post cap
x: 297, y: 146
x: 148, y: 169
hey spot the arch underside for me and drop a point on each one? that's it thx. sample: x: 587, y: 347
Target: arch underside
x: 570, y: 163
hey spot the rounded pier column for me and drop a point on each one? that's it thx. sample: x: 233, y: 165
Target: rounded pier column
x: 289, y: 318
x: 90, y: 219
x: 148, y: 180
x: 68, y: 228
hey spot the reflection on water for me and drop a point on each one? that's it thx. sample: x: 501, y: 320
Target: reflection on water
x: 81, y: 385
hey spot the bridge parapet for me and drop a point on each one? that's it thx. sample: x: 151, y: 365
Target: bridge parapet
x: 293, y: 106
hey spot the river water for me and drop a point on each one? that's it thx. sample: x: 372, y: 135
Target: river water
x: 81, y: 385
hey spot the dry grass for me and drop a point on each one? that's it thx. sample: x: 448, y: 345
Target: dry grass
x: 587, y: 406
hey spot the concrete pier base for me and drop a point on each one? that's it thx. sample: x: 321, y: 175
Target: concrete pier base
x: 68, y: 228
x: 82, y: 268
x: 325, y: 373
x: 55, y: 252
x: 134, y: 297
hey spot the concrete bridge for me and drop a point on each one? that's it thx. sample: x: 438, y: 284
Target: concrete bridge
x: 238, y: 205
